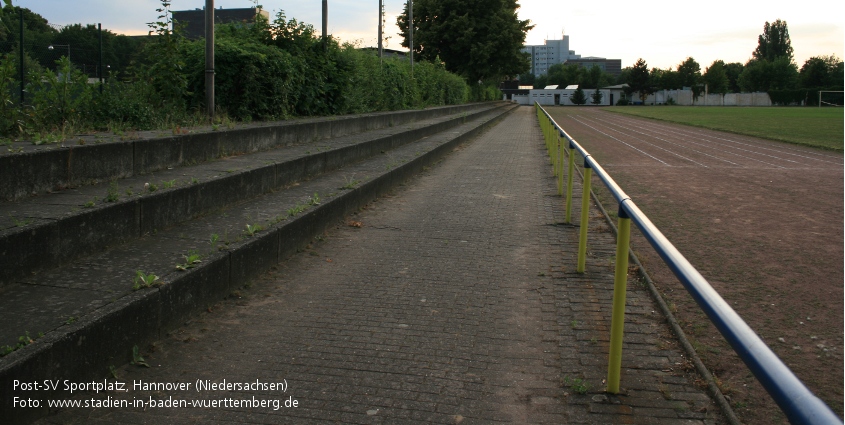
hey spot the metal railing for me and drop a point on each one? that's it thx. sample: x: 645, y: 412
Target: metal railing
x: 799, y: 404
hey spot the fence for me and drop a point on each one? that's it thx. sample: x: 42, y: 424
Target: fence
x: 796, y: 401
x: 35, y: 46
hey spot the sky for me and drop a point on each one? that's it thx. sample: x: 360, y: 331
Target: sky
x: 661, y: 32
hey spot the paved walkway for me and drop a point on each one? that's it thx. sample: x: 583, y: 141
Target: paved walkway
x: 455, y: 301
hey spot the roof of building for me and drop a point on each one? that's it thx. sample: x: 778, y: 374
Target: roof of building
x: 194, y: 20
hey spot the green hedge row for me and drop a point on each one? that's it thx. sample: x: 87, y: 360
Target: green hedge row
x: 262, y: 72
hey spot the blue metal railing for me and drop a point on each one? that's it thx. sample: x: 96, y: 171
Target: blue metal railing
x: 799, y: 404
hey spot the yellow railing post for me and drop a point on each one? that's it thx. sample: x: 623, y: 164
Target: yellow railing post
x: 559, y: 165
x: 620, y: 282
x: 549, y: 139
x: 555, y: 148
x: 585, y: 217
x: 570, y: 175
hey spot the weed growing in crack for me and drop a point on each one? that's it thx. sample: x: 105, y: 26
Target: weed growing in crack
x: 113, y: 192
x: 577, y: 385
x: 20, y: 223
x: 350, y: 183
x: 137, y: 358
x: 191, y: 260
x: 143, y: 280
x: 298, y: 208
x: 252, y: 229
x: 23, y: 341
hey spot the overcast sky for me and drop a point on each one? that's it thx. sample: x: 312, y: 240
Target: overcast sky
x: 664, y: 33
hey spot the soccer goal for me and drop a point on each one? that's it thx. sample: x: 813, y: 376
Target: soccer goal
x: 831, y: 98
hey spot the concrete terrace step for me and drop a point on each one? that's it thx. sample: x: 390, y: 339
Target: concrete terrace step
x: 91, y: 316
x: 52, y: 229
x: 28, y: 170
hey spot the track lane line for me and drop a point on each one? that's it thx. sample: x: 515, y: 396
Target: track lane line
x: 702, y: 133
x: 731, y: 153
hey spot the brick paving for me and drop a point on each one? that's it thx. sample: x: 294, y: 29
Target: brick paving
x: 455, y: 301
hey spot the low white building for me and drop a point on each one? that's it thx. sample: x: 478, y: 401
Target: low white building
x: 551, y: 96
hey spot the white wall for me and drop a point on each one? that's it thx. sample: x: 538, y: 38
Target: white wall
x: 685, y: 98
x: 547, y: 97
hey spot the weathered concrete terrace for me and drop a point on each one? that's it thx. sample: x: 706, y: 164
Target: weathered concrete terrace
x: 417, y: 272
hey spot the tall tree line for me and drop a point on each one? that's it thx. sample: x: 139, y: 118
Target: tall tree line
x: 771, y: 68
x: 80, y: 41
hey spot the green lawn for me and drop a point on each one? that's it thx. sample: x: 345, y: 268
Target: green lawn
x: 818, y: 127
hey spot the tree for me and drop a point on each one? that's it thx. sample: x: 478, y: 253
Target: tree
x: 541, y: 81
x: 595, y: 78
x: 733, y: 71
x: 774, y: 42
x: 716, y: 78
x: 563, y: 74
x: 821, y: 72
x: 579, y: 97
x: 667, y: 79
x: 639, y: 81
x: 763, y: 75
x: 479, y: 40
x: 689, y: 73
x: 527, y: 79
x: 118, y: 50
x: 597, y: 97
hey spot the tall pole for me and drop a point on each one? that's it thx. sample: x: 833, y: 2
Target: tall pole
x: 23, y: 75
x: 411, y: 32
x: 100, y: 62
x: 209, y: 57
x: 325, y: 24
x: 380, y: 34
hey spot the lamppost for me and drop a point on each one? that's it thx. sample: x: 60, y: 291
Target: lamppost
x: 53, y: 46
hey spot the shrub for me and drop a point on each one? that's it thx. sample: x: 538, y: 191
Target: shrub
x: 59, y: 100
x: 263, y: 71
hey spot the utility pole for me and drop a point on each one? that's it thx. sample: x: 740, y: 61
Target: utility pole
x: 325, y: 24
x: 209, y: 56
x: 100, y: 61
x: 23, y: 74
x: 411, y: 32
x: 380, y: 33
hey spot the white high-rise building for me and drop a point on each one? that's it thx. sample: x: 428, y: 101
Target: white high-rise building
x: 548, y: 54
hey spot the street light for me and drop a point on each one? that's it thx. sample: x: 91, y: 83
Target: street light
x: 53, y: 46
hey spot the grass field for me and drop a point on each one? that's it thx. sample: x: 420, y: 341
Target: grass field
x: 817, y: 127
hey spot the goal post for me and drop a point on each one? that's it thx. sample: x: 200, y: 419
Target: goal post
x: 835, y: 98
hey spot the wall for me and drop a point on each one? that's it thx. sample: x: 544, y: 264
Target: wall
x: 547, y: 97
x: 685, y: 98
x: 680, y: 97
